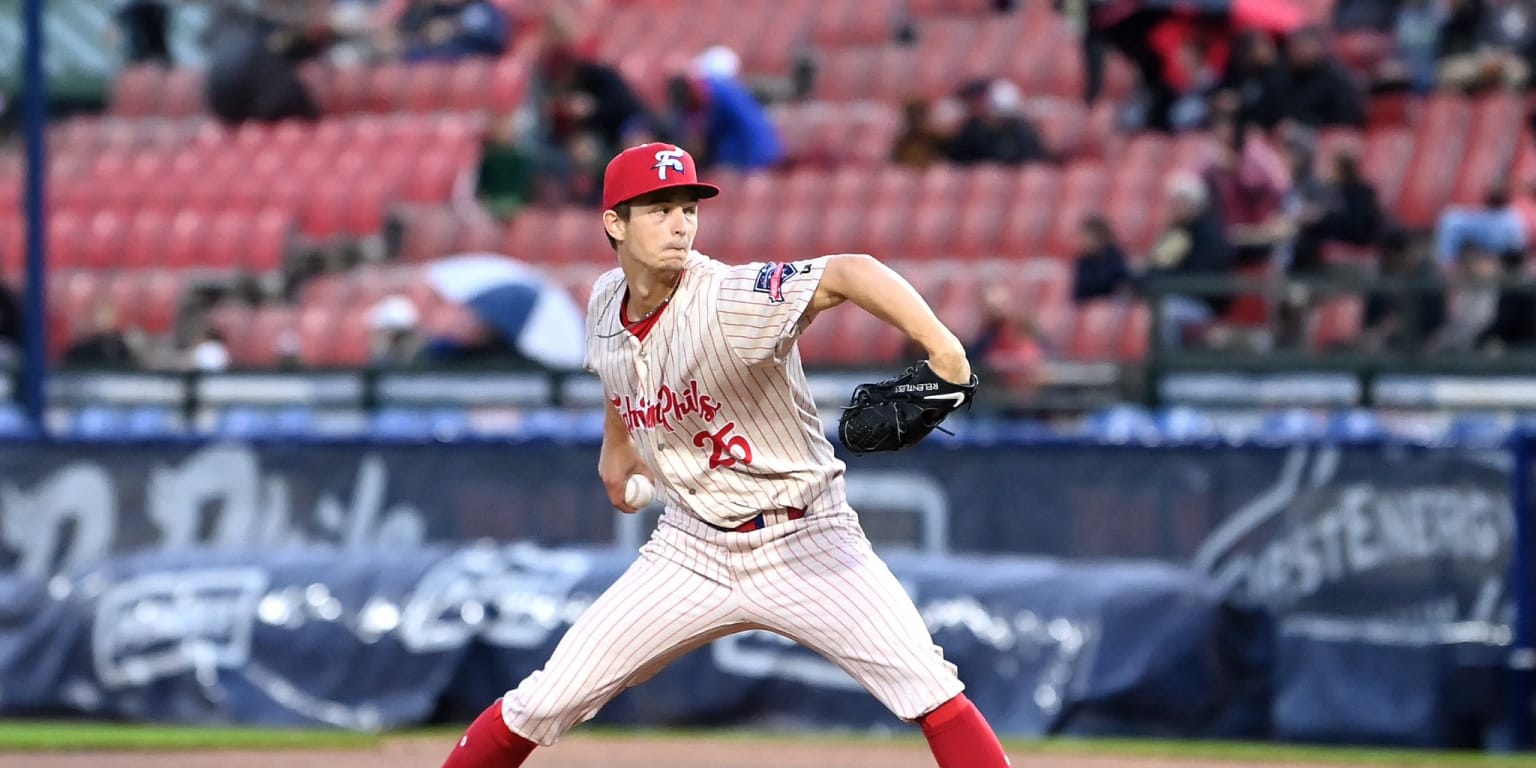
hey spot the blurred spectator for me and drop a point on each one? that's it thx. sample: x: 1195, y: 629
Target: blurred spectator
x: 918, y: 145
x: 253, y: 64
x: 1484, y: 43
x: 1195, y: 81
x: 396, y: 341
x: 1496, y: 227
x: 1010, y: 345
x: 1100, y: 269
x: 589, y: 114
x: 209, y: 354
x: 587, y: 96
x: 993, y: 129
x: 143, y: 28
x: 1321, y: 91
x: 106, y: 345
x: 1366, y: 14
x: 1472, y: 300
x: 1514, y: 321
x: 717, y: 119
x: 1256, y: 80
x: 1410, y: 307
x: 1524, y: 205
x: 503, y: 182
x: 1249, y: 183
x: 10, y: 326
x: 1193, y: 243
x: 1298, y: 143
x: 448, y: 30
x: 1347, y: 212
x: 1416, y: 43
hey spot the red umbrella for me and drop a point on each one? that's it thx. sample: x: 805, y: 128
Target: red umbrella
x: 1277, y: 17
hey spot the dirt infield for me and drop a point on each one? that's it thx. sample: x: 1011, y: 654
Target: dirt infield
x: 604, y: 752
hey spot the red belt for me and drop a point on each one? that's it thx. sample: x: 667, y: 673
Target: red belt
x: 759, y: 522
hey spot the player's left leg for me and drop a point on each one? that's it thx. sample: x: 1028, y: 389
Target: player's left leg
x: 825, y: 588
x: 669, y: 601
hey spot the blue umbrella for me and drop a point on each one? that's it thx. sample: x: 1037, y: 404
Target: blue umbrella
x: 519, y: 302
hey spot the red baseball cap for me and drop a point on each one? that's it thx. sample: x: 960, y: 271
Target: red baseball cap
x: 646, y: 168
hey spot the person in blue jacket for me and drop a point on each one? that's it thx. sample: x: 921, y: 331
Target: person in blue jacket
x: 717, y: 118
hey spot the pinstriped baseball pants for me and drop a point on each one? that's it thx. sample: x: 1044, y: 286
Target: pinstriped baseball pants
x: 815, y: 581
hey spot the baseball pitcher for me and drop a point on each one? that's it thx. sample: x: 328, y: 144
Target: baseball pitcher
x: 708, y: 404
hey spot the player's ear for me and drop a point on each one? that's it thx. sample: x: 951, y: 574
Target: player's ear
x: 614, y: 225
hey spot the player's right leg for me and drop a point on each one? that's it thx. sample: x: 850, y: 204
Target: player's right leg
x: 656, y: 611
x: 826, y: 588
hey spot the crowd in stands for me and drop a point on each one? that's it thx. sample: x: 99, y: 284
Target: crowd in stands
x: 1273, y: 115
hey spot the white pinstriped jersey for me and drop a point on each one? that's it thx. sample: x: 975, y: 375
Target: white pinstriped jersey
x: 714, y: 397
x: 716, y: 402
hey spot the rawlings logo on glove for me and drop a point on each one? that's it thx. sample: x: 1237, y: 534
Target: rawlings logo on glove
x: 893, y: 414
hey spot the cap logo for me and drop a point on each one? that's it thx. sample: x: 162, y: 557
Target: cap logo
x: 668, y: 158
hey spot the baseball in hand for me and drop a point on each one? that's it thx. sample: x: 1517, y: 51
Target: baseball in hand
x: 638, y: 491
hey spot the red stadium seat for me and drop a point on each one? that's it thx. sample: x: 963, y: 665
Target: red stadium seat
x: 931, y: 233
x: 267, y: 248
x: 1386, y: 160
x: 895, y: 74
x: 433, y: 178
x: 1136, y: 336
x: 1029, y: 211
x: 1431, y: 174
x: 429, y: 233
x: 1083, y: 191
x: 326, y: 209
x: 799, y: 230
x: 103, y: 241
x: 229, y: 235
x: 318, y: 329
x: 1336, y: 322
x: 527, y: 236
x: 977, y: 231
x: 846, y: 74
x: 468, y: 85
x: 75, y: 294
x: 136, y: 91
x: 188, y: 241
x: 145, y: 244
x: 161, y: 296
x: 479, y: 234
x: 258, y: 344
x: 574, y: 235
x: 66, y: 240
x: 348, y: 90
x: 836, y: 228
x: 425, y: 87
x: 1491, y: 143
x: 352, y: 342
x: 385, y: 85
x: 1096, y: 332
x: 183, y: 93
x: 12, y: 249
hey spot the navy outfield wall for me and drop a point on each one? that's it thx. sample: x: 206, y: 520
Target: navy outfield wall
x: 1361, y: 553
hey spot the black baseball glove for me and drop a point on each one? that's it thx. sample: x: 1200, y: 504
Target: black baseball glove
x: 893, y: 414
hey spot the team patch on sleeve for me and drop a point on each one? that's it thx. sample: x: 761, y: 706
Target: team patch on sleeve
x: 771, y: 279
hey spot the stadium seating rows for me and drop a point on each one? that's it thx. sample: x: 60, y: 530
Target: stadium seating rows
x: 329, y: 324
x: 145, y: 200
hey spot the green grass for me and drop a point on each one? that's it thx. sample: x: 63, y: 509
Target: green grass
x: 74, y: 735
x: 55, y: 736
